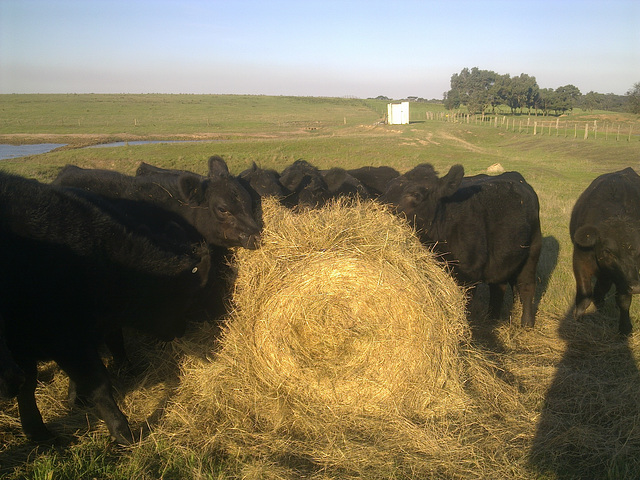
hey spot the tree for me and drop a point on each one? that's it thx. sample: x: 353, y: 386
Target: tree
x: 452, y: 100
x: 544, y: 100
x: 565, y: 98
x: 524, y: 92
x: 500, y: 91
x: 633, y: 96
x: 591, y: 101
x: 472, y: 88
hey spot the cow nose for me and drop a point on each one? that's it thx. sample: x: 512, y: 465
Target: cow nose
x: 252, y: 242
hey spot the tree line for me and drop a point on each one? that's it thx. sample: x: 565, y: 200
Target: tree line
x: 482, y: 91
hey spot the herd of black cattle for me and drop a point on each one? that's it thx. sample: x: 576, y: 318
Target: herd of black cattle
x: 97, y: 250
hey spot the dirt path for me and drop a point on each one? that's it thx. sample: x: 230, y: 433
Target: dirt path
x: 462, y: 143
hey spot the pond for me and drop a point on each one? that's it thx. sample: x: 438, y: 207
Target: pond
x: 144, y: 142
x: 16, y: 151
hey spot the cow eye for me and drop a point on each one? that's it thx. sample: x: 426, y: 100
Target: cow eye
x: 222, y: 210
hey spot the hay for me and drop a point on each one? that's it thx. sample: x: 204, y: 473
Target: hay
x: 342, y: 354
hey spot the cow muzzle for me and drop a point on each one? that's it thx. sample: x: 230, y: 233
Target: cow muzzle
x: 252, y: 242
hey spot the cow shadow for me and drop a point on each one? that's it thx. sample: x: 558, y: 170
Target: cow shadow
x: 483, y: 327
x: 588, y: 427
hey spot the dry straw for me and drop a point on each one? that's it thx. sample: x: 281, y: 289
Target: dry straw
x: 342, y: 356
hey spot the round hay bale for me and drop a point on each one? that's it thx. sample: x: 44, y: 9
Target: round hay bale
x: 342, y: 351
x: 495, y: 169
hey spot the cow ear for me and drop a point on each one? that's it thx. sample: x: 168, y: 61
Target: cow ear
x: 218, y: 167
x: 191, y: 188
x: 448, y: 184
x: 586, y: 236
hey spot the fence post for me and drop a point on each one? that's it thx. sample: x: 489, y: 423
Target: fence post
x: 535, y: 127
x: 586, y: 131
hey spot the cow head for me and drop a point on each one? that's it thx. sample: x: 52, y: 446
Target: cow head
x: 226, y: 207
x: 305, y: 182
x: 616, y: 246
x: 418, y: 194
x: 264, y: 182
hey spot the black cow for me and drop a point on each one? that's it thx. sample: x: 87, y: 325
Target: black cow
x: 341, y: 183
x: 605, y: 230
x: 69, y: 271
x: 375, y: 179
x: 217, y: 206
x: 216, y: 166
x: 486, y: 228
x: 306, y: 185
x: 145, y: 169
x: 265, y: 182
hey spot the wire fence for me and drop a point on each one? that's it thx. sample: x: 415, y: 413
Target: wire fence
x: 592, y: 129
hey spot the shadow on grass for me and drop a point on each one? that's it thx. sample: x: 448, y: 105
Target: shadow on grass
x: 589, y: 424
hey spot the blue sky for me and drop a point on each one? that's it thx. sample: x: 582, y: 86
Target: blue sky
x: 312, y: 48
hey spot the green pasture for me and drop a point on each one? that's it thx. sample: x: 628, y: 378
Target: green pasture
x: 178, y: 115
x: 275, y: 131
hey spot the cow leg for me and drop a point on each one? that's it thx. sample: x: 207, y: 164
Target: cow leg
x: 30, y: 417
x: 525, y: 281
x: 11, y: 376
x: 603, y: 285
x: 496, y: 298
x: 584, y: 269
x: 115, y: 343
x: 91, y: 378
x: 525, y: 287
x: 624, y: 303
x: 114, y: 340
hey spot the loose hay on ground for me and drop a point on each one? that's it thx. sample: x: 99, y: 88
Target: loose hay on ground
x: 342, y: 352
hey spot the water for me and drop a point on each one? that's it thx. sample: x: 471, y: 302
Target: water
x: 16, y: 151
x: 144, y: 142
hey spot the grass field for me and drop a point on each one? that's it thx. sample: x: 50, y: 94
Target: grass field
x: 578, y: 382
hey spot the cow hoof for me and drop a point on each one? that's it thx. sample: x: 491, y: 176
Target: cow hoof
x: 625, y: 330
x: 41, y: 435
x: 529, y: 323
x: 124, y: 437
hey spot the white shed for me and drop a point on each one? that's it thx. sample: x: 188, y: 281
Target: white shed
x: 398, y: 113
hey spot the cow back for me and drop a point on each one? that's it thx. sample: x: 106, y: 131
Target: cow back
x: 375, y: 179
x: 488, y: 226
x: 64, y: 256
x: 615, y: 194
x: 216, y: 206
